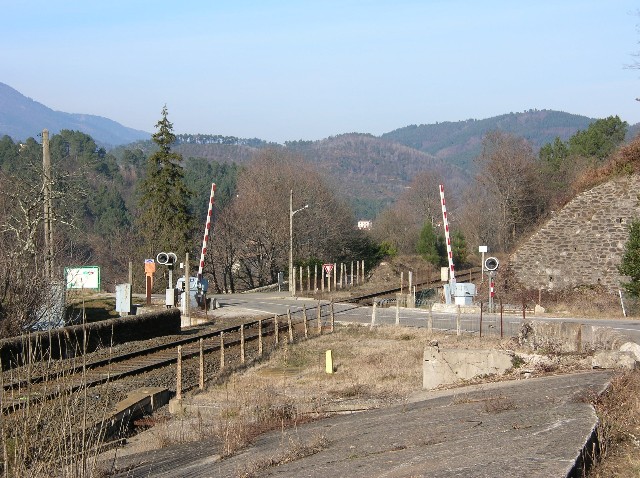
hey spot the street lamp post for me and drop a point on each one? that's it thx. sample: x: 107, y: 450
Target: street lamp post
x: 292, y: 285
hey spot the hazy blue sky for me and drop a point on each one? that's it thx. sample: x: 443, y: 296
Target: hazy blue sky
x: 285, y: 70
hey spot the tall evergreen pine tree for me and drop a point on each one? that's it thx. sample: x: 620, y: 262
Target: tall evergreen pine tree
x: 167, y: 222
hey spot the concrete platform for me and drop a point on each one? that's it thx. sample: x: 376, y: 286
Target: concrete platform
x: 533, y: 428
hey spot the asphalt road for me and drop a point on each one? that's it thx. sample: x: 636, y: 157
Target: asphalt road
x: 279, y: 303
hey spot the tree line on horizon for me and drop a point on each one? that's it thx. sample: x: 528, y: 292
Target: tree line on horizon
x: 112, y: 208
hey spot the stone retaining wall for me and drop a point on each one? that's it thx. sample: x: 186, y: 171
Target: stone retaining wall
x: 584, y: 242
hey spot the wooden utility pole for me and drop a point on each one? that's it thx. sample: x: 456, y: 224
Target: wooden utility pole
x: 187, y: 289
x: 48, y: 213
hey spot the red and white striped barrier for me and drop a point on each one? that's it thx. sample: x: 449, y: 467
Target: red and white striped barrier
x: 445, y: 223
x: 207, y: 227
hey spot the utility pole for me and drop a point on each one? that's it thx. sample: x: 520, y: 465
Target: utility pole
x: 292, y: 284
x: 48, y: 213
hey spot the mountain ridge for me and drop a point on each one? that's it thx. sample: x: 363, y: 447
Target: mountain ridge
x: 22, y: 117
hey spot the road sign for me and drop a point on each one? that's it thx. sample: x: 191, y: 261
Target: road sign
x: 149, y: 266
x: 328, y: 268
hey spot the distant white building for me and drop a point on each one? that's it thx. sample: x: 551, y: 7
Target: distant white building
x: 364, y: 224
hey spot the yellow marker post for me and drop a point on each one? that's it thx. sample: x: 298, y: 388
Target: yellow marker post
x: 329, y: 362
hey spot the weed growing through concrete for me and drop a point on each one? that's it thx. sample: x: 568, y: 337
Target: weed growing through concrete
x: 619, y: 429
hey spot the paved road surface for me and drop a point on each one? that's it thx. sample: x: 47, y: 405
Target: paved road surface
x: 532, y: 428
x: 277, y: 303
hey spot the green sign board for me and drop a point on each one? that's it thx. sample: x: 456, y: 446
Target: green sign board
x: 87, y: 277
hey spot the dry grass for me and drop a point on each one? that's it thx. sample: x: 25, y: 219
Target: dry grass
x: 619, y: 413
x: 373, y: 368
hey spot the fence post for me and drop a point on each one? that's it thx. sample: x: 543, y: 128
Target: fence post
x: 179, y: 374
x: 308, y: 278
x: 319, y: 319
x: 304, y: 321
x: 289, y: 325
x: 315, y: 277
x: 276, y: 327
x: 397, y: 311
x: 363, y: 276
x: 301, y: 280
x: 501, y: 323
x: 221, y: 350
x: 373, y: 314
x: 351, y: 283
x: 332, y: 317
x: 260, y: 337
x: 242, y: 343
x: 201, y: 382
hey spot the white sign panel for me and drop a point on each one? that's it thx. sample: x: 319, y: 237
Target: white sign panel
x: 83, y: 277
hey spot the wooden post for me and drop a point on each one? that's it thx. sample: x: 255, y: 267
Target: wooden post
x: 333, y: 317
x: 430, y: 320
x: 373, y: 314
x: 341, y: 273
x: 351, y: 283
x: 458, y: 322
x: 319, y: 319
x: 501, y: 323
x: 357, y: 272
x: 289, y: 325
x: 363, y: 275
x: 276, y: 329
x: 401, y: 282
x: 260, y: 337
x: 308, y: 278
x: 335, y: 276
x: 221, y: 350
x: 398, y: 311
x: 304, y: 320
x: 179, y: 374
x: 201, y: 381
x: 187, y: 289
x: 131, y: 283
x: 148, y: 289
x: 301, y: 280
x: 322, y: 279
x: 315, y: 277
x: 410, y: 281
x: 242, y: 343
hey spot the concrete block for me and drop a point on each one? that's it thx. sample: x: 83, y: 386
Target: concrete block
x: 614, y: 360
x: 446, y: 366
x: 554, y: 336
x: 633, y: 348
x: 177, y: 407
x: 538, y: 310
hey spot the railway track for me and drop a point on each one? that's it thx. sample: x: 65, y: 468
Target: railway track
x: 74, y: 375
x: 469, y: 274
x: 83, y: 373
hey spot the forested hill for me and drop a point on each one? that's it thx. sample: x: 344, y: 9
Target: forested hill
x: 459, y: 142
x: 22, y: 118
